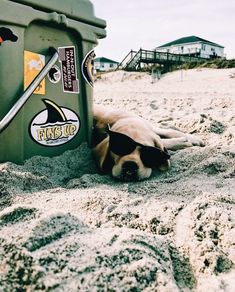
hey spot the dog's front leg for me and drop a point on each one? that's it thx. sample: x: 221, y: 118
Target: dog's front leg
x: 176, y: 143
x: 178, y: 138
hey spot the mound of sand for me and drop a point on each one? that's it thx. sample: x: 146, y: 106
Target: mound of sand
x: 64, y: 227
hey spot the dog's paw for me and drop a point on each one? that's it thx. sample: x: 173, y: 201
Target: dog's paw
x: 195, y: 141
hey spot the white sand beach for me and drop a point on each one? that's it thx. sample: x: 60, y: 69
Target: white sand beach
x: 65, y: 227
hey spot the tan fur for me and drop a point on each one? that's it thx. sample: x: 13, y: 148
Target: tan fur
x: 139, y: 130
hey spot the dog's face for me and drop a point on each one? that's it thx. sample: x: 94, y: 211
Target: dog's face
x: 131, y: 150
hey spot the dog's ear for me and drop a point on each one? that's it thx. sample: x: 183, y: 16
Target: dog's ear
x: 103, y: 156
x: 98, y: 135
x: 165, y: 162
x: 164, y: 156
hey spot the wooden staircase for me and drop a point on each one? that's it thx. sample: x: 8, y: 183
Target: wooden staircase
x: 134, y: 59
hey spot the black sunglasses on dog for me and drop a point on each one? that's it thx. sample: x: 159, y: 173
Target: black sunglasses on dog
x: 121, y: 144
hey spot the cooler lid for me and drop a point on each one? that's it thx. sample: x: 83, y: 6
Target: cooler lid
x: 81, y: 10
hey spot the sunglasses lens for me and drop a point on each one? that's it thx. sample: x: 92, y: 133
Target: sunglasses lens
x: 120, y: 144
x: 152, y: 156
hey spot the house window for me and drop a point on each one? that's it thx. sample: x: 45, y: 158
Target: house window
x: 203, y: 47
x: 111, y: 65
x: 180, y: 49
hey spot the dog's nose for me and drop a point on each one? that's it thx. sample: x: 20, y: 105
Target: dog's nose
x: 130, y: 166
x: 129, y: 170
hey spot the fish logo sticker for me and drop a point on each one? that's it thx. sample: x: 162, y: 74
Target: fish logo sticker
x: 54, y: 125
x: 7, y: 35
x: 54, y: 74
x: 33, y: 64
x: 88, y: 67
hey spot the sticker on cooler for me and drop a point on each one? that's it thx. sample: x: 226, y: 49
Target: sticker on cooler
x: 6, y: 34
x: 55, y: 125
x: 33, y: 64
x: 67, y: 58
x: 88, y: 67
x: 54, y: 75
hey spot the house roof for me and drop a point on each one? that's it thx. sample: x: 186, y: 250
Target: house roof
x: 105, y: 60
x: 189, y: 39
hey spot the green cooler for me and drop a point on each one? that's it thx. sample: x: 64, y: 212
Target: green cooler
x: 46, y: 67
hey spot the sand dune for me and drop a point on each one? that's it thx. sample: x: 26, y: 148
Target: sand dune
x: 64, y: 227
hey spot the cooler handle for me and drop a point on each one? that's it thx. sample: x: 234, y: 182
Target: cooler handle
x: 29, y: 91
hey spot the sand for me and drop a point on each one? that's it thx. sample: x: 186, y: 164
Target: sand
x: 65, y: 227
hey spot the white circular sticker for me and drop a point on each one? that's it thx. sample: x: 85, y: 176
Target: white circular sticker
x: 54, y: 125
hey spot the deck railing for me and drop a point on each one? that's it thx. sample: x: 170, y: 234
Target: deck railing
x: 134, y: 58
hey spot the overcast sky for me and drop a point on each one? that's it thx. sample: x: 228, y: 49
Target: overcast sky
x: 132, y: 24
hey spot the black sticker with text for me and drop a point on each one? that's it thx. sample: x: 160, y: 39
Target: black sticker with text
x: 69, y: 69
x: 88, y: 67
x: 7, y: 35
x: 55, y: 125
